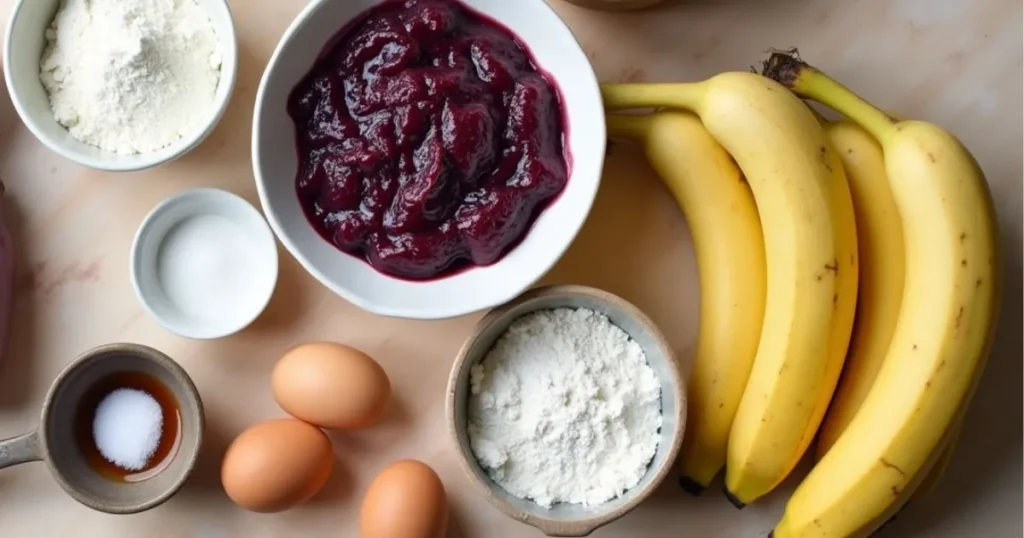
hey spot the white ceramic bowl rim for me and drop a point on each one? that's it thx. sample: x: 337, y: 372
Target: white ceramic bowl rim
x: 36, y: 114
x: 158, y: 224
x: 478, y: 288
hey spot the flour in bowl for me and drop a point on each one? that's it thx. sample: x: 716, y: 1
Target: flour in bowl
x: 565, y: 409
x: 131, y: 76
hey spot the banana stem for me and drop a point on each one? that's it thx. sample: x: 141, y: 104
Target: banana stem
x: 806, y: 81
x: 685, y: 95
x: 628, y: 127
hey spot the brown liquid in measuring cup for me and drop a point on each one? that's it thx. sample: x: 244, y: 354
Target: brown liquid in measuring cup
x: 170, y: 436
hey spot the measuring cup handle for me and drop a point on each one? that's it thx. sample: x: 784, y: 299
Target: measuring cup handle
x: 21, y: 449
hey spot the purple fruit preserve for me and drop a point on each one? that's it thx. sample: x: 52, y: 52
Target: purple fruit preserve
x: 428, y: 139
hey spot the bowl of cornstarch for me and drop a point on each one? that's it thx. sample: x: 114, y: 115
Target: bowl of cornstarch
x: 120, y: 85
x: 567, y: 408
x: 120, y: 430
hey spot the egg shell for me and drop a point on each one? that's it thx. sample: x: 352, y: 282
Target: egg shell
x: 276, y: 465
x: 331, y: 385
x: 406, y: 500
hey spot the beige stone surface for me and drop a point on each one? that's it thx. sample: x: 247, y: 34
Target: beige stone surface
x: 955, y: 62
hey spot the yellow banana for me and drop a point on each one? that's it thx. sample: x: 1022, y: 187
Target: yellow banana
x: 729, y: 245
x: 880, y: 292
x: 945, y: 327
x: 915, y: 487
x: 880, y: 244
x: 810, y: 240
x: 931, y: 481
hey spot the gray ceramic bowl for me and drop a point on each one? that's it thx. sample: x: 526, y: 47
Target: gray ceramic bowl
x: 54, y: 441
x: 567, y: 519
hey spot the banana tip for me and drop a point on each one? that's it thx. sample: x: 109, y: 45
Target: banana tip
x: 691, y: 486
x: 740, y: 505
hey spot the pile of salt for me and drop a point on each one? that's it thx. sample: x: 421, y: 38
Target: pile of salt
x: 127, y: 427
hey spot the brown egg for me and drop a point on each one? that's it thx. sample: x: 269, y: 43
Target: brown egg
x: 331, y: 386
x: 277, y: 464
x: 406, y: 500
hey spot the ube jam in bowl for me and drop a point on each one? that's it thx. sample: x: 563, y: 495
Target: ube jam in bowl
x: 427, y: 138
x: 441, y: 155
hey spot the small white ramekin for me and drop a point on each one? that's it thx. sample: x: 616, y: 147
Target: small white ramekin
x: 194, y: 315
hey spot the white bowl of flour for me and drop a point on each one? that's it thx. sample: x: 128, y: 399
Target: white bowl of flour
x: 120, y: 85
x: 567, y: 408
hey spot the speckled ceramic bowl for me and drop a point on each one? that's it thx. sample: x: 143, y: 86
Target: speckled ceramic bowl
x: 570, y: 519
x: 54, y: 441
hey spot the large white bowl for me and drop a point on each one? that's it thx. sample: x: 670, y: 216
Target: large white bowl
x: 24, y: 43
x: 275, y: 162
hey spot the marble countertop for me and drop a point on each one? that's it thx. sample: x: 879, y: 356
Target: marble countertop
x: 955, y: 62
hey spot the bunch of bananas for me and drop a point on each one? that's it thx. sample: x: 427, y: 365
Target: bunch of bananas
x: 850, y: 285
